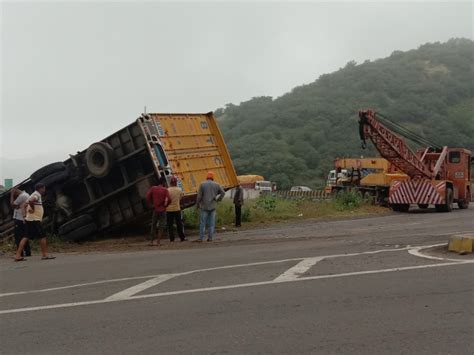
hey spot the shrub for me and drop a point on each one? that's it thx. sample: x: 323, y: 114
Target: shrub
x: 267, y: 202
x: 348, y: 200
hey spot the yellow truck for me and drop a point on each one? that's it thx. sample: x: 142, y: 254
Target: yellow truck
x: 371, y: 177
x: 104, y: 186
x: 255, y: 182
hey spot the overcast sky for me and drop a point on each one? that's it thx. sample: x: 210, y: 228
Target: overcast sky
x: 72, y: 73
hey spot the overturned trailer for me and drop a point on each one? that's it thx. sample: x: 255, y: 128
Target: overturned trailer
x: 103, y: 187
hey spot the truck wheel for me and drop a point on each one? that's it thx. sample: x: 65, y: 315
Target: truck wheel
x: 423, y: 206
x: 55, y: 178
x: 80, y: 233
x: 74, y: 223
x: 463, y: 204
x: 47, y: 170
x: 400, y: 207
x: 99, y: 159
x: 448, y: 206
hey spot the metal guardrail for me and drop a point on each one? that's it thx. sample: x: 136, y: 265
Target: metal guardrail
x: 314, y: 195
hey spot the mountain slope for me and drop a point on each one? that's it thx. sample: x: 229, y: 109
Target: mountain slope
x: 294, y: 138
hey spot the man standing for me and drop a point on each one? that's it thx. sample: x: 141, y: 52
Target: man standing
x: 173, y: 211
x: 209, y: 194
x: 18, y: 199
x: 160, y: 197
x: 33, y: 228
x: 238, y: 202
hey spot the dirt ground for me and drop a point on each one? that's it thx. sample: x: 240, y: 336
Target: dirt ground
x: 129, y: 240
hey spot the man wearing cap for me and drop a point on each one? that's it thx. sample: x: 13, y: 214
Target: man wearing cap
x: 173, y: 211
x: 209, y: 193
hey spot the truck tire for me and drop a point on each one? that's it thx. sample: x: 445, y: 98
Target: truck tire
x: 80, y: 233
x: 55, y: 178
x: 400, y: 207
x: 75, y: 223
x: 47, y: 170
x: 423, y: 206
x: 463, y: 204
x: 448, y: 206
x: 99, y: 159
x: 6, y: 226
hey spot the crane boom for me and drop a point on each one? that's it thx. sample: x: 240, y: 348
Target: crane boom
x: 391, y: 146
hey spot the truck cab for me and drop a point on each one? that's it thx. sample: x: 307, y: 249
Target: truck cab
x: 263, y: 185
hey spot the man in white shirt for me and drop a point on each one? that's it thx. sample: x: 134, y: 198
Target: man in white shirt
x: 33, y: 219
x: 18, y: 199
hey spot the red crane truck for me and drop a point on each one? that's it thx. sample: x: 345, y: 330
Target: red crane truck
x: 438, y: 175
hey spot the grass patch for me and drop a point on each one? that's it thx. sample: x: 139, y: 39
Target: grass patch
x: 269, y: 209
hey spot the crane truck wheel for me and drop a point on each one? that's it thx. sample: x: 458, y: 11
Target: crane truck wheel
x: 99, y: 159
x: 463, y: 204
x: 423, y: 206
x: 400, y: 207
x: 448, y: 206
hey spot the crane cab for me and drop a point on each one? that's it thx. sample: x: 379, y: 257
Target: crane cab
x: 458, y: 171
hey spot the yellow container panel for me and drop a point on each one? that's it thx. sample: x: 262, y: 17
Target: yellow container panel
x: 193, y: 145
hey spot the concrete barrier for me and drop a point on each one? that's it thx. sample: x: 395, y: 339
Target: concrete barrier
x: 310, y: 195
x: 462, y: 243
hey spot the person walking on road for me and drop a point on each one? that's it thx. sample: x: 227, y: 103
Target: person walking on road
x: 238, y: 202
x: 33, y: 227
x: 18, y: 199
x: 173, y: 211
x: 160, y: 198
x: 209, y: 193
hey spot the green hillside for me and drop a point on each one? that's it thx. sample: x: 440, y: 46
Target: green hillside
x: 294, y: 138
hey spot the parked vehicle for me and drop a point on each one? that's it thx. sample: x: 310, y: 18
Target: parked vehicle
x: 104, y: 187
x: 300, y: 188
x: 255, y: 182
x: 438, y: 175
x: 371, y: 177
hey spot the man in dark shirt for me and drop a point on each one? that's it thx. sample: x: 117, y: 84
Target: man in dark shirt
x: 160, y: 197
x: 238, y: 202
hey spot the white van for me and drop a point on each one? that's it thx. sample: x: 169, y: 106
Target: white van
x: 300, y: 188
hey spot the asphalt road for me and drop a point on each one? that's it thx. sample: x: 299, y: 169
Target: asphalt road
x: 363, y: 286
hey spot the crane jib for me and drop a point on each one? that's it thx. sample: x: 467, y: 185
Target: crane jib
x: 391, y: 146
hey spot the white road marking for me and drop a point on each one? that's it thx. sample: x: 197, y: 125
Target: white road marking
x: 290, y: 275
x: 209, y: 289
x: 76, y: 285
x: 299, y: 269
x: 145, y: 277
x: 416, y: 251
x: 140, y: 287
x: 194, y: 271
